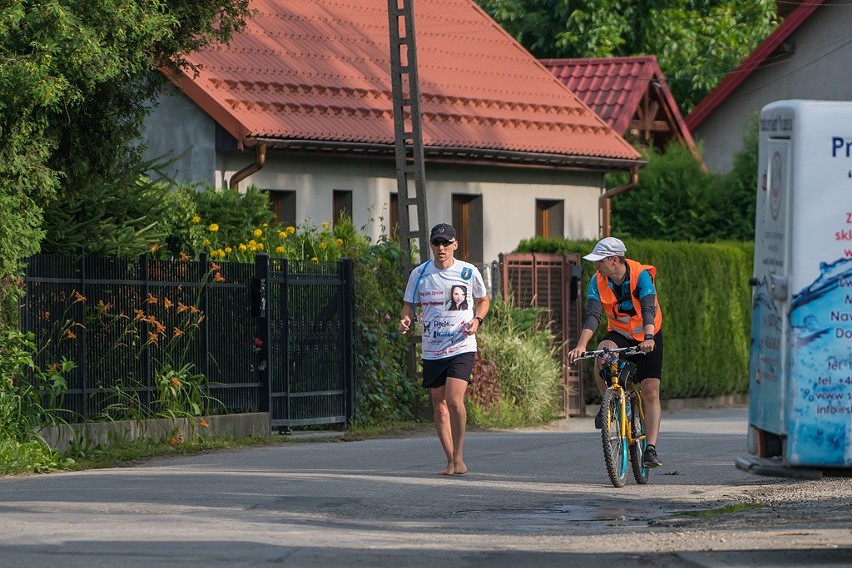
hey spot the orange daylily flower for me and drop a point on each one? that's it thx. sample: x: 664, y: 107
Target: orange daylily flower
x: 203, y: 423
x: 152, y: 337
x: 70, y: 334
x: 184, y: 256
x: 140, y: 315
x: 78, y: 297
x: 182, y: 307
x: 151, y: 299
x: 175, y: 381
x: 177, y: 332
x: 218, y: 278
x: 167, y: 303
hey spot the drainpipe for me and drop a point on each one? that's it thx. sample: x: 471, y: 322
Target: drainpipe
x: 259, y: 161
x: 604, y: 201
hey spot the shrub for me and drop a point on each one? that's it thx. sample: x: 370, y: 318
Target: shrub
x: 518, y: 375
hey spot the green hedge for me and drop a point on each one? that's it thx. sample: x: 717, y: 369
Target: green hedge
x: 706, y: 301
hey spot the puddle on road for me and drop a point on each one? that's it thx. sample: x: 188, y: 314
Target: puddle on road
x: 588, y: 513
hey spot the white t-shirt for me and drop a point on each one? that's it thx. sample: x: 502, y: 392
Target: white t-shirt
x: 447, y: 298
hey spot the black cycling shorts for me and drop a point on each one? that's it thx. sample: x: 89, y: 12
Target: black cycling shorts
x: 649, y: 365
x: 436, y: 371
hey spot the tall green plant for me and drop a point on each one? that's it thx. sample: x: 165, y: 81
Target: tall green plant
x: 519, y: 375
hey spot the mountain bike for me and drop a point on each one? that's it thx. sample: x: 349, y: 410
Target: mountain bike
x: 623, y: 433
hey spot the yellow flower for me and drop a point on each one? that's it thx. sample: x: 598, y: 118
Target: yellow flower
x: 265, y: 225
x: 242, y: 247
x: 315, y: 260
x: 213, y: 227
x: 220, y: 253
x: 228, y: 250
x: 282, y: 234
x: 257, y: 233
x: 322, y: 246
x: 259, y: 246
x: 291, y: 229
x: 325, y: 224
x: 206, y: 242
x: 196, y: 219
x: 252, y: 246
x: 279, y: 250
x: 252, y: 242
x: 339, y: 242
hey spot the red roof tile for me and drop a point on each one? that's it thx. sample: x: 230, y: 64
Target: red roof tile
x: 757, y: 57
x: 613, y: 87
x: 319, y: 70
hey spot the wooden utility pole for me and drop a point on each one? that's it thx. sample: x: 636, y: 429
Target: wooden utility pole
x: 408, y: 135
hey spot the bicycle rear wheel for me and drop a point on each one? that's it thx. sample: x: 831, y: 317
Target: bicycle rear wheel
x: 637, y: 448
x: 614, y: 443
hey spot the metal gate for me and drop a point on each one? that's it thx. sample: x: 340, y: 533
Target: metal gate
x: 305, y: 326
x: 551, y: 281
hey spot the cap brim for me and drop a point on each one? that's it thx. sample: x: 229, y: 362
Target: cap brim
x: 595, y: 257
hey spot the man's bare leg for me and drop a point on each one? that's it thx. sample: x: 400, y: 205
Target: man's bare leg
x: 650, y: 389
x: 441, y: 418
x: 454, y: 393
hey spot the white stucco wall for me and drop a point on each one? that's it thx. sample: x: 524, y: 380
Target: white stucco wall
x: 508, y: 193
x: 820, y: 68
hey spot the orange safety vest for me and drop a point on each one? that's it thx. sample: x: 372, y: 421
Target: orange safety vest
x: 625, y: 323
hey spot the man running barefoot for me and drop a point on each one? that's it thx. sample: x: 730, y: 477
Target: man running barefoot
x: 449, y: 336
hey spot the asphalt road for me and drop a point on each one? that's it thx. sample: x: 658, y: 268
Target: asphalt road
x: 532, y: 497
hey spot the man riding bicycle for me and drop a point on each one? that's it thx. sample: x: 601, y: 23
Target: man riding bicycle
x: 625, y: 290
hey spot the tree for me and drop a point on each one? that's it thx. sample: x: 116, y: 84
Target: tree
x: 696, y: 43
x: 75, y: 76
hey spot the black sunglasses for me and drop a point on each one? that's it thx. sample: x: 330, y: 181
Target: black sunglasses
x: 441, y: 242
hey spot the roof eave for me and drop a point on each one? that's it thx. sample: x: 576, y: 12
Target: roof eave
x: 454, y: 154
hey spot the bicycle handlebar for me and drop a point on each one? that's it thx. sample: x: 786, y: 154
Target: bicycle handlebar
x: 634, y: 350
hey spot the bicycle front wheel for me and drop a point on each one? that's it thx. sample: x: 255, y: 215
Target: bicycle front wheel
x: 637, y: 448
x: 613, y: 439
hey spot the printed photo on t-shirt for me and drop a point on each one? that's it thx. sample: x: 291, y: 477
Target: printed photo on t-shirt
x: 458, y: 295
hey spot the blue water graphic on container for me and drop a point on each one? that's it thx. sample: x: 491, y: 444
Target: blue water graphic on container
x: 820, y: 419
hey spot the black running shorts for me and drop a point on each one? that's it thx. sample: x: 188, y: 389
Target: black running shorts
x: 649, y: 365
x: 436, y: 371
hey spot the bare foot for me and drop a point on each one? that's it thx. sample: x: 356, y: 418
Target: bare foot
x: 460, y: 469
x: 449, y: 470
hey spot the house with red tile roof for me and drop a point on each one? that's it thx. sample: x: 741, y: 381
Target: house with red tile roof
x: 630, y: 94
x: 299, y: 104
x: 809, y: 56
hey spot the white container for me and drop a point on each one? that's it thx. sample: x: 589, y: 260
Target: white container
x: 800, y: 390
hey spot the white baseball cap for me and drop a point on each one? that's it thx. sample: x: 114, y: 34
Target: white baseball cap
x: 607, y: 247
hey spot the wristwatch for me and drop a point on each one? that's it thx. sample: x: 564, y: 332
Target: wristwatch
x: 478, y: 318
x: 649, y: 336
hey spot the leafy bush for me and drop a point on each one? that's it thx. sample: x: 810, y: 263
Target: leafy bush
x: 677, y: 201
x: 518, y: 375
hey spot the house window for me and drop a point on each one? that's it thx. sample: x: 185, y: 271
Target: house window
x: 283, y: 204
x: 341, y: 206
x: 549, y: 218
x: 467, y: 219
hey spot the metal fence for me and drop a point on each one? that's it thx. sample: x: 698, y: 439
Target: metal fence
x: 125, y: 322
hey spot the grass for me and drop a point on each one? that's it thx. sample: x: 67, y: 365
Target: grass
x: 735, y: 508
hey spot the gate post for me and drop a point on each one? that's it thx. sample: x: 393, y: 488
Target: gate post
x: 260, y: 309
x: 344, y: 267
